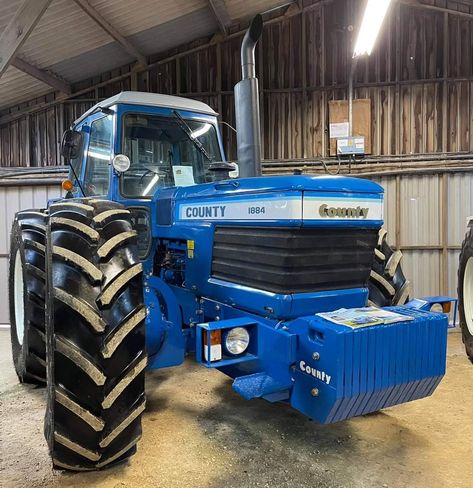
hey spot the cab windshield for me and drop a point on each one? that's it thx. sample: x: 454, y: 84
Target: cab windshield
x: 167, y: 151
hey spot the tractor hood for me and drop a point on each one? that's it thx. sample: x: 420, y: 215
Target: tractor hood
x: 278, y: 200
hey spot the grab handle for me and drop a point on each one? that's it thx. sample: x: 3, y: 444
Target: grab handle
x: 221, y: 185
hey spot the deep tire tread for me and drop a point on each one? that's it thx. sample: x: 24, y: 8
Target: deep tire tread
x: 28, y: 237
x: 387, y: 284
x: 88, y: 425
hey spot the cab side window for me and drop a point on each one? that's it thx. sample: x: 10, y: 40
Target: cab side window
x: 97, y: 169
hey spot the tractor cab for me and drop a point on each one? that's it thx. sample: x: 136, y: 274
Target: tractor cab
x: 131, y: 145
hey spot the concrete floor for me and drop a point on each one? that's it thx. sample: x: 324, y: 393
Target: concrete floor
x: 198, y: 433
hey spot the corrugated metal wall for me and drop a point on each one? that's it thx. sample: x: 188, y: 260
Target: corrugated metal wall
x: 426, y: 218
x: 425, y: 215
x: 13, y: 199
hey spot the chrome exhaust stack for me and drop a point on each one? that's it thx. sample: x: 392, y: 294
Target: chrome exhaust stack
x: 247, y: 112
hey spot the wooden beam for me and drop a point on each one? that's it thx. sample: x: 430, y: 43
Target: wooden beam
x: 110, y: 30
x: 8, y: 117
x: 18, y: 30
x: 220, y: 12
x: 46, y: 77
x: 425, y: 6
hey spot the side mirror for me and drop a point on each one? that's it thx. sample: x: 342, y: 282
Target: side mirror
x: 71, y: 144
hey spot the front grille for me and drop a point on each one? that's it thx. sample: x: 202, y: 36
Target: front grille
x: 294, y: 260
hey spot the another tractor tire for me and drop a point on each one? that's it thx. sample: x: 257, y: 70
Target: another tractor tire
x: 465, y: 291
x: 387, y: 284
x: 26, y: 282
x: 95, y: 335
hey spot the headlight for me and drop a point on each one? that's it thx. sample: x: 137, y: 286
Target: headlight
x: 237, y: 340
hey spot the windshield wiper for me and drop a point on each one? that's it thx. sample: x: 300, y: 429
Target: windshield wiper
x: 188, y: 132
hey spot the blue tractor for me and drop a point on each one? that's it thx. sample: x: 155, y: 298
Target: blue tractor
x: 156, y: 233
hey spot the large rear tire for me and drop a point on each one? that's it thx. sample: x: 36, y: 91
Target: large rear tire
x: 95, y: 335
x: 26, y: 283
x: 465, y: 291
x: 387, y: 284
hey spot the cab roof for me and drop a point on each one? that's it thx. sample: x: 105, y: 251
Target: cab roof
x: 151, y: 99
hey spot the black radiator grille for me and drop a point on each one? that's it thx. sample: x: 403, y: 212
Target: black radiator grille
x: 294, y: 260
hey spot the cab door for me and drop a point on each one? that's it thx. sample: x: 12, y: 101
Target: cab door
x: 98, y: 144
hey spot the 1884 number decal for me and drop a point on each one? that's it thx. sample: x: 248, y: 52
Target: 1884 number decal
x: 255, y: 210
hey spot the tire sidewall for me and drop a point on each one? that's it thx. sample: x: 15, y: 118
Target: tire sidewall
x: 49, y: 323
x: 18, y: 350
x: 465, y: 255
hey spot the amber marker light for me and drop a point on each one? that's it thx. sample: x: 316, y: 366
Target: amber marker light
x: 67, y: 185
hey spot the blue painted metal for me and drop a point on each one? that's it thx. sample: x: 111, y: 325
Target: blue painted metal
x: 165, y: 338
x: 259, y: 385
x: 206, y: 328
x: 364, y: 370
x: 359, y: 371
x: 426, y: 303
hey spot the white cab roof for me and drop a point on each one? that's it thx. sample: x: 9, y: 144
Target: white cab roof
x: 151, y: 99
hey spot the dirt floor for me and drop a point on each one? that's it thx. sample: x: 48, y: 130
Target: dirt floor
x: 198, y: 433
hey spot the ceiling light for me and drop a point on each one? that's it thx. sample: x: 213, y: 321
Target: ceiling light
x: 374, y: 15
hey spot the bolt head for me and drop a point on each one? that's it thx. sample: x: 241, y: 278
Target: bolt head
x: 315, y: 356
x: 314, y: 392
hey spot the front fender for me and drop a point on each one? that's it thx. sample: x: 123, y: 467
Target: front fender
x: 165, y: 341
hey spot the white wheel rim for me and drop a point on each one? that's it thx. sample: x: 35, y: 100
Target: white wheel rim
x: 19, y: 298
x: 468, y: 294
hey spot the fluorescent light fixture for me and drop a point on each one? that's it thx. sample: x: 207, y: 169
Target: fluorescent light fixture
x: 374, y: 15
x: 200, y: 132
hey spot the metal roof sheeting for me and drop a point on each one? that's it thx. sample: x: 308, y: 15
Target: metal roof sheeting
x: 16, y: 86
x: 72, y: 45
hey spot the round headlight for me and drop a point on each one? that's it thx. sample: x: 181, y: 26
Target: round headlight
x: 436, y: 307
x: 237, y: 340
x: 121, y: 163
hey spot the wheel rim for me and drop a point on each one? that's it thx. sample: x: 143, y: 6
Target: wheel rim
x: 19, y: 298
x: 468, y: 294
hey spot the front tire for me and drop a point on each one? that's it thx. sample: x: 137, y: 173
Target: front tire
x: 465, y: 291
x: 95, y: 335
x: 26, y: 283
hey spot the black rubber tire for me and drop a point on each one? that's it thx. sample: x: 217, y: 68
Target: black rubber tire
x: 95, y: 335
x: 465, y: 255
x: 387, y: 284
x: 28, y: 238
